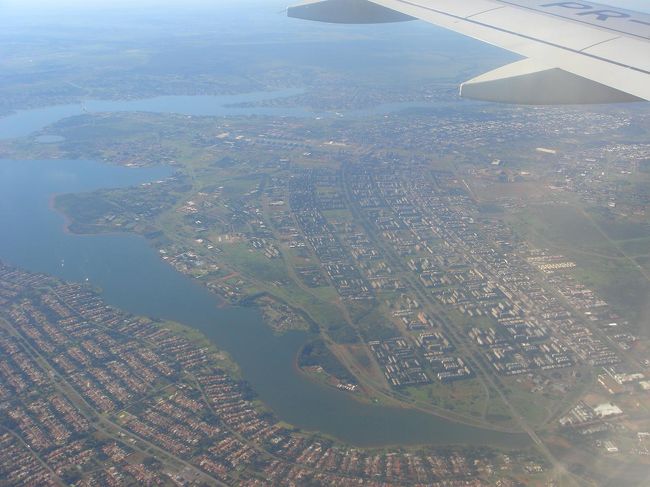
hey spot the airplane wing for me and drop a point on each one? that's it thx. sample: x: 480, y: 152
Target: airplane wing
x: 574, y: 51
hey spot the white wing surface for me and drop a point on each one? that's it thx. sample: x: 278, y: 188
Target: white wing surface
x: 575, y: 52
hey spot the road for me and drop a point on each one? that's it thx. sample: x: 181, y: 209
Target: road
x: 473, y: 356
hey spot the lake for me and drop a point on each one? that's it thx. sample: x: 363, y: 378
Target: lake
x: 133, y: 277
x: 24, y: 122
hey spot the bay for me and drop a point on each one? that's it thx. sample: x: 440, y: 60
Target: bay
x: 25, y: 122
x: 133, y: 277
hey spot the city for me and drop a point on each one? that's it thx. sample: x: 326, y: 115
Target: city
x: 423, y: 294
x: 241, y: 249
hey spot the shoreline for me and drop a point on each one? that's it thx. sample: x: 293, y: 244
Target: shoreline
x: 250, y: 302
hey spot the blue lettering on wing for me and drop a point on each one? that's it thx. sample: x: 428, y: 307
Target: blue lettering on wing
x: 603, y: 15
x: 592, y: 13
x: 572, y: 5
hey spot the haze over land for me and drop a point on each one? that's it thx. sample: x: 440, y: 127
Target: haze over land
x: 241, y: 249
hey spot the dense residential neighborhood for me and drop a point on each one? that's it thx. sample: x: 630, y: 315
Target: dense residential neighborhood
x: 91, y: 395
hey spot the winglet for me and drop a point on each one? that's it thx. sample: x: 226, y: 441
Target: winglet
x: 528, y: 83
x: 346, y: 12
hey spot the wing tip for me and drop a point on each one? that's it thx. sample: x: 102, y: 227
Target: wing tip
x: 526, y: 82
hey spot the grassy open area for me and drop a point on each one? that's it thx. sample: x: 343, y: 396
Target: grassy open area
x: 534, y: 406
x: 241, y: 256
x: 467, y: 397
x: 636, y: 247
x: 603, y: 261
x: 564, y: 228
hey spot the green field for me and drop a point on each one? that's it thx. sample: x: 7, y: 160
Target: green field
x: 604, y: 263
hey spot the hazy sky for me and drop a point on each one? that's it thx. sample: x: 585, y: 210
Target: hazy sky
x: 122, y: 5
x: 126, y: 3
x: 633, y: 4
x: 81, y: 6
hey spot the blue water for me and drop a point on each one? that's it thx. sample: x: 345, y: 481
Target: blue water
x: 24, y: 122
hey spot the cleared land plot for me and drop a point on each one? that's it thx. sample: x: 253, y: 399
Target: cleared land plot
x: 600, y: 263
